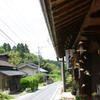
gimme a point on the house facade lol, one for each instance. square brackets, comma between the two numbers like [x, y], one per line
[30, 68]
[9, 77]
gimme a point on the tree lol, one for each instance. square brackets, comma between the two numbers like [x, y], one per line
[7, 47]
[15, 58]
[26, 48]
[2, 50]
[30, 57]
[20, 47]
[14, 48]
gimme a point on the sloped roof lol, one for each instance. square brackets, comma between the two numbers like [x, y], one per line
[4, 55]
[43, 70]
[12, 72]
[5, 63]
[27, 64]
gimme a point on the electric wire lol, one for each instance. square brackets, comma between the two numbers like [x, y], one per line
[23, 24]
[8, 36]
[10, 29]
[6, 39]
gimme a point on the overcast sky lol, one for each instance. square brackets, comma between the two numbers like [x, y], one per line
[23, 22]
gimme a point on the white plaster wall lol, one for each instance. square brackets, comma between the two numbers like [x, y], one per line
[29, 70]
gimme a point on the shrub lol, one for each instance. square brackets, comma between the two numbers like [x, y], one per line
[69, 83]
[25, 83]
[40, 77]
[32, 81]
[29, 82]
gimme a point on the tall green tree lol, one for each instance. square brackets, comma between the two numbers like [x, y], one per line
[2, 50]
[30, 57]
[26, 48]
[15, 57]
[7, 47]
[14, 48]
[20, 47]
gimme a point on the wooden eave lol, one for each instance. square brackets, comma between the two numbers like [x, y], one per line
[91, 26]
[65, 18]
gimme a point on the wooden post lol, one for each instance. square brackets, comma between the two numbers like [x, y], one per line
[63, 74]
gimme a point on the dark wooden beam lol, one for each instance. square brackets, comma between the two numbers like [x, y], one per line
[67, 12]
[92, 28]
[66, 30]
[59, 3]
[69, 6]
[70, 16]
[77, 18]
[76, 24]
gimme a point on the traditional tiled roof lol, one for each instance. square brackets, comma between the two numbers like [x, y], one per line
[12, 72]
[4, 55]
[5, 63]
[27, 64]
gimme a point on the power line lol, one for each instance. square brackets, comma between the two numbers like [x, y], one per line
[8, 37]
[19, 18]
[10, 29]
[24, 29]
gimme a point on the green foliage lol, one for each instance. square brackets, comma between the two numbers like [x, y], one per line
[40, 77]
[69, 83]
[81, 97]
[15, 57]
[7, 47]
[2, 50]
[30, 57]
[55, 75]
[5, 96]
[14, 48]
[22, 48]
[29, 82]
[53, 62]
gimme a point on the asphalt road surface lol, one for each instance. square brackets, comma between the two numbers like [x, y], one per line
[46, 93]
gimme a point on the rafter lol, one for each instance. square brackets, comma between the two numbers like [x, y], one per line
[60, 3]
[68, 6]
[70, 21]
[71, 16]
[67, 25]
[77, 7]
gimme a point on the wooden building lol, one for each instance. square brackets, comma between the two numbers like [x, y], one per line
[9, 76]
[30, 68]
[75, 24]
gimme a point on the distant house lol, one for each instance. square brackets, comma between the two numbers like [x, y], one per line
[30, 68]
[9, 77]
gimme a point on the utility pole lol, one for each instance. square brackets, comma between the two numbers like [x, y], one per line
[39, 49]
[38, 59]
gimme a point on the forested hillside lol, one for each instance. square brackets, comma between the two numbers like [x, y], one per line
[21, 53]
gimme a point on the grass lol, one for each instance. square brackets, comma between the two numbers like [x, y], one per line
[5, 96]
[16, 95]
[41, 84]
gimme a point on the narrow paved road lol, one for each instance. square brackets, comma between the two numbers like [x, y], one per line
[46, 93]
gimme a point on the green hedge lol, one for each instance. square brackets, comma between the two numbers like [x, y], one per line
[40, 77]
[32, 81]
[29, 82]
